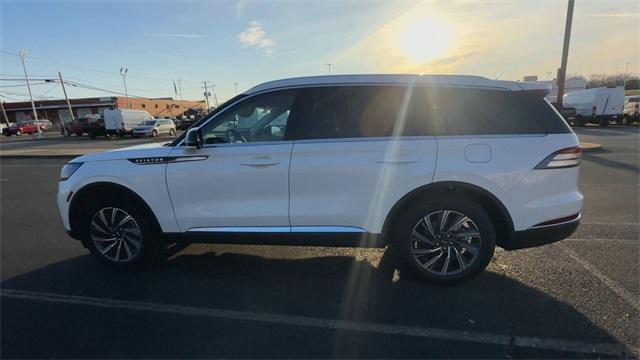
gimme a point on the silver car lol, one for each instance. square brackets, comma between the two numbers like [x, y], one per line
[155, 127]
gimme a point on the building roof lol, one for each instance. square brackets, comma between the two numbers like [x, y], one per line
[402, 79]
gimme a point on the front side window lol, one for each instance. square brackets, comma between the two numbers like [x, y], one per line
[260, 118]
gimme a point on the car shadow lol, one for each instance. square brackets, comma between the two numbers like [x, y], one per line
[328, 287]
[594, 158]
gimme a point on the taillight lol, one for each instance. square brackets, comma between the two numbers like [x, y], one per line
[564, 158]
[593, 110]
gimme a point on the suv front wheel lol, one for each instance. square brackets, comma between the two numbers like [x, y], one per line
[445, 240]
[120, 233]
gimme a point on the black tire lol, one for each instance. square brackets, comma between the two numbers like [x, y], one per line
[92, 135]
[625, 120]
[18, 132]
[404, 242]
[602, 121]
[172, 133]
[150, 244]
[120, 134]
[154, 133]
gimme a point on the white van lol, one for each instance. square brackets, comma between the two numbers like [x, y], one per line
[122, 121]
[597, 105]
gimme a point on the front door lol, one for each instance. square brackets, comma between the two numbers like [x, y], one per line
[239, 180]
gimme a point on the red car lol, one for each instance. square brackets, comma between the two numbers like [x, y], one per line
[24, 127]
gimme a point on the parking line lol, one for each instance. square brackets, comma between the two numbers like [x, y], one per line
[632, 241]
[330, 324]
[624, 294]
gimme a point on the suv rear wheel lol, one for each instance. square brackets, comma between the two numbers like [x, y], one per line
[120, 233]
[445, 240]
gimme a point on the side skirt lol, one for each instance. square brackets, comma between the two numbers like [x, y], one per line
[350, 239]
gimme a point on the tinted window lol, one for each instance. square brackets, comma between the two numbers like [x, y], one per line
[358, 111]
[450, 111]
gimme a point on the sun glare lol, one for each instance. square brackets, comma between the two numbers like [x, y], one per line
[425, 39]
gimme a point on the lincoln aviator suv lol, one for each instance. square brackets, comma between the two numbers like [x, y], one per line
[442, 169]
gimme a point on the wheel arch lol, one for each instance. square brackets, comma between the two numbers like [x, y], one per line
[102, 188]
[498, 213]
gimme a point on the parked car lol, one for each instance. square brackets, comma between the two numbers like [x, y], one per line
[78, 126]
[121, 122]
[597, 105]
[185, 123]
[24, 127]
[153, 128]
[441, 168]
[631, 110]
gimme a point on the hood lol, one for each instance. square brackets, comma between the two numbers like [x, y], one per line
[137, 151]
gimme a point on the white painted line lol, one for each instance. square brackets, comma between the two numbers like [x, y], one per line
[632, 241]
[624, 294]
[612, 224]
[330, 324]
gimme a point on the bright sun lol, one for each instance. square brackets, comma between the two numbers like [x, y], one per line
[425, 39]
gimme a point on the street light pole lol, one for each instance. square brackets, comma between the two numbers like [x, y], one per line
[329, 66]
[562, 72]
[124, 80]
[23, 55]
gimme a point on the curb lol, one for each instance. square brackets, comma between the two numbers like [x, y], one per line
[590, 146]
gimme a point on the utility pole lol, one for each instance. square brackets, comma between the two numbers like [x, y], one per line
[206, 95]
[180, 93]
[626, 75]
[126, 93]
[329, 66]
[4, 113]
[562, 72]
[64, 90]
[23, 55]
[213, 90]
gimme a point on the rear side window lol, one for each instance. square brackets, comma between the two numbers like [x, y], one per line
[358, 111]
[451, 111]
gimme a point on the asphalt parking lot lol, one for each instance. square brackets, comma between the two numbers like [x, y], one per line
[575, 299]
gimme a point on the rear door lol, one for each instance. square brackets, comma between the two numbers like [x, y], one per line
[358, 150]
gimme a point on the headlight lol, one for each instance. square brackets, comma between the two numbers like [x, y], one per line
[68, 170]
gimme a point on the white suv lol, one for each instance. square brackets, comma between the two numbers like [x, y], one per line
[442, 168]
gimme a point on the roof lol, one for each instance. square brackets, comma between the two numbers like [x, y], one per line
[468, 81]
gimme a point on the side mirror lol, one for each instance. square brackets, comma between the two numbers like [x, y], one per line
[193, 138]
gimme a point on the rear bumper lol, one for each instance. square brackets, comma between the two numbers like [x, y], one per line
[539, 236]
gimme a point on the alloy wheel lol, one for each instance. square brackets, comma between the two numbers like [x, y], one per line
[116, 234]
[445, 242]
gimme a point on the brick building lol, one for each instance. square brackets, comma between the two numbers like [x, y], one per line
[55, 110]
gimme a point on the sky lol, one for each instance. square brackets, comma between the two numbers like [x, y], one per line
[249, 42]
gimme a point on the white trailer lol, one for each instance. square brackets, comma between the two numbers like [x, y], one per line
[122, 121]
[596, 105]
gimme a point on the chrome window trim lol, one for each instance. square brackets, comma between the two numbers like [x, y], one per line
[257, 143]
[278, 229]
[365, 139]
[296, 87]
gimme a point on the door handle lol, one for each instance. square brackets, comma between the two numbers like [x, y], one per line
[398, 159]
[261, 161]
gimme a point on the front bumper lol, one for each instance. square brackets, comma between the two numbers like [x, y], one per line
[539, 236]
